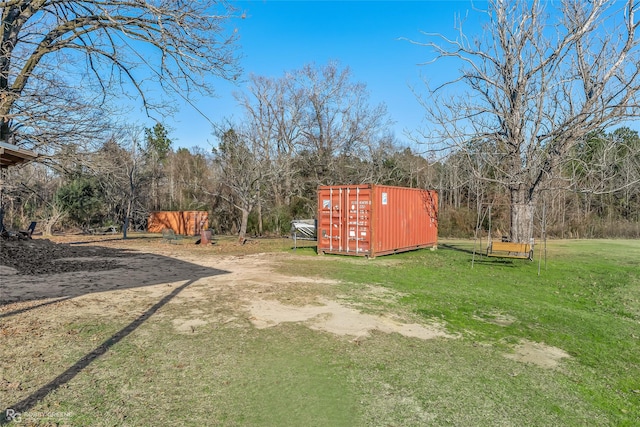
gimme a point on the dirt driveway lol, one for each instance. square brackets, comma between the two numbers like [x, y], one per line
[106, 275]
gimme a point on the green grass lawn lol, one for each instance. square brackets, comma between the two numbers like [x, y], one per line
[585, 302]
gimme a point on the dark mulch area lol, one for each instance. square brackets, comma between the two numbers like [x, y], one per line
[41, 256]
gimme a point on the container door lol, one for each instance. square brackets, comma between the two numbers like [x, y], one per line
[358, 226]
[344, 223]
[331, 221]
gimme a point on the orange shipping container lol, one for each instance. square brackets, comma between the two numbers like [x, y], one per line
[370, 220]
[187, 223]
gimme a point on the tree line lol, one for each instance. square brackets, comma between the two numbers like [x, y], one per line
[311, 127]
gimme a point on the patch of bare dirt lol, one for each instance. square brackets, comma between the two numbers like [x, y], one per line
[96, 280]
[539, 354]
[331, 316]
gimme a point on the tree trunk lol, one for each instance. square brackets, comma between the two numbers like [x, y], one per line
[125, 225]
[288, 184]
[50, 222]
[171, 192]
[243, 225]
[154, 190]
[259, 212]
[522, 207]
[260, 224]
[5, 130]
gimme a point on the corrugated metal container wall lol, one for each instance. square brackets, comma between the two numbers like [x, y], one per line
[370, 220]
[187, 223]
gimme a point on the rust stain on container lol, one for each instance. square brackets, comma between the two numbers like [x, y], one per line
[187, 223]
[370, 220]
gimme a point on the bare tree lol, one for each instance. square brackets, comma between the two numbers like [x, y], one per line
[313, 124]
[240, 172]
[605, 172]
[61, 60]
[537, 81]
[337, 120]
[267, 112]
[273, 108]
[120, 167]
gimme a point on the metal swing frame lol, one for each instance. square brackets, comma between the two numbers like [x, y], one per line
[506, 249]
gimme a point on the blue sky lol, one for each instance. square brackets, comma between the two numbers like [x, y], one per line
[280, 36]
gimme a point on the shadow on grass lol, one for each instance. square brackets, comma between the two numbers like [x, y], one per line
[480, 257]
[31, 307]
[30, 401]
[305, 249]
[457, 248]
[495, 261]
[47, 273]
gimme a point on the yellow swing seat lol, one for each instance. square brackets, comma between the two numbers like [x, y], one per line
[510, 250]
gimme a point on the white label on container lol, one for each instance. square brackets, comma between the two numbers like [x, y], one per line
[384, 198]
[326, 204]
[352, 233]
